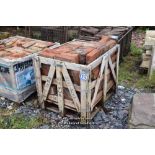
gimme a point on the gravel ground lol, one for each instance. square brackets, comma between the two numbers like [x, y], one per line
[115, 117]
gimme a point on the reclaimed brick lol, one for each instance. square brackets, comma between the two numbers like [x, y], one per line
[95, 73]
[45, 69]
[91, 56]
[104, 39]
[47, 53]
[69, 57]
[111, 43]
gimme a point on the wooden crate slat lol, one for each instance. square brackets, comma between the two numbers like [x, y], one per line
[67, 103]
[72, 66]
[98, 98]
[84, 75]
[100, 94]
[36, 61]
[98, 80]
[60, 89]
[117, 65]
[89, 96]
[112, 69]
[105, 81]
[71, 88]
[93, 83]
[77, 88]
[48, 82]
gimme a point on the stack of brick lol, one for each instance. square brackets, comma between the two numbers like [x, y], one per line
[80, 52]
[18, 47]
[95, 33]
[122, 34]
[17, 79]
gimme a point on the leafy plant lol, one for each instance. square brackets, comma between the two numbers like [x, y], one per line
[135, 51]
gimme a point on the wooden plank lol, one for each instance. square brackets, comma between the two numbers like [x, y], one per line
[60, 89]
[84, 78]
[98, 80]
[93, 84]
[98, 98]
[48, 82]
[105, 81]
[110, 84]
[112, 69]
[117, 65]
[71, 88]
[68, 103]
[36, 63]
[89, 97]
[69, 65]
[54, 81]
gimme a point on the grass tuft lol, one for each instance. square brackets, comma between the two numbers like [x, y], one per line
[20, 122]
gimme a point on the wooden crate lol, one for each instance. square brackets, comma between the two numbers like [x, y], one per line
[85, 98]
[11, 84]
[123, 37]
[17, 79]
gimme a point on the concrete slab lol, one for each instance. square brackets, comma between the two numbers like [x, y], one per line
[149, 39]
[142, 112]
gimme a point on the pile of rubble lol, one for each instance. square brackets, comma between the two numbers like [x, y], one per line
[95, 33]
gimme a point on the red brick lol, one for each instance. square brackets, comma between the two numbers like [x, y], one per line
[111, 43]
[47, 53]
[95, 73]
[69, 57]
[16, 55]
[45, 69]
[91, 56]
[104, 39]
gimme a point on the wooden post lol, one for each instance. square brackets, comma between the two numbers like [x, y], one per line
[98, 81]
[48, 82]
[89, 96]
[117, 64]
[65, 33]
[60, 89]
[84, 82]
[152, 62]
[36, 63]
[13, 78]
[25, 31]
[71, 87]
[105, 81]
